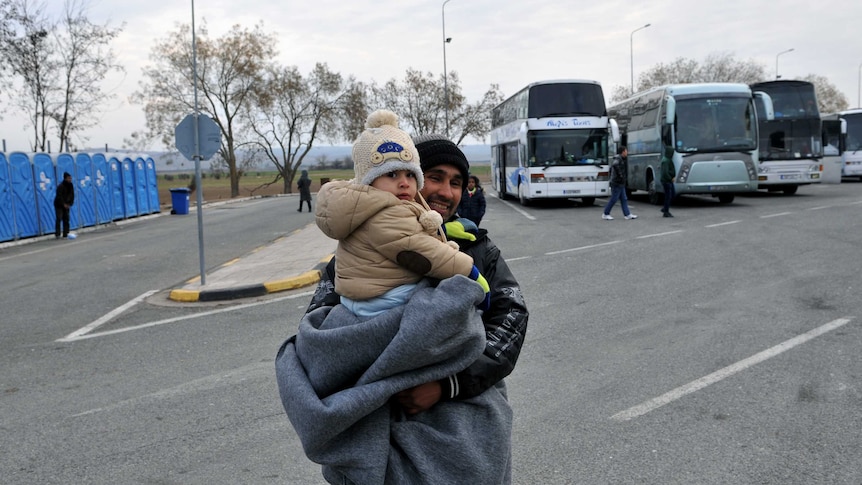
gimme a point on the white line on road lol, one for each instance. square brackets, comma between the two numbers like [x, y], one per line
[582, 247]
[728, 371]
[723, 224]
[516, 209]
[819, 208]
[776, 215]
[106, 318]
[81, 334]
[659, 234]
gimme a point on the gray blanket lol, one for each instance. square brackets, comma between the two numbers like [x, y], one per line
[337, 374]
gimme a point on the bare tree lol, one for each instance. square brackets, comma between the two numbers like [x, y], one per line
[717, 67]
[829, 98]
[419, 100]
[85, 58]
[26, 49]
[290, 113]
[229, 69]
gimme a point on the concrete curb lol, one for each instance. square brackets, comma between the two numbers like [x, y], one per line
[307, 278]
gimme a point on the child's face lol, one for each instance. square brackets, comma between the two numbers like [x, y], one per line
[401, 184]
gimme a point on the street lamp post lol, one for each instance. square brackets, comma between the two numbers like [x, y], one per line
[446, 40]
[859, 89]
[776, 61]
[632, 52]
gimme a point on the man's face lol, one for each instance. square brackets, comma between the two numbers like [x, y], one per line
[442, 190]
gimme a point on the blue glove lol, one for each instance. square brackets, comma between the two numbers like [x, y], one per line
[461, 228]
[476, 276]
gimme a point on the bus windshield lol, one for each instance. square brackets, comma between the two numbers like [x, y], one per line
[791, 100]
[567, 147]
[715, 124]
[566, 99]
[854, 131]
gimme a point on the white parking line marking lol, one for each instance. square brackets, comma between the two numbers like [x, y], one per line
[83, 333]
[776, 215]
[819, 208]
[106, 318]
[723, 223]
[582, 247]
[728, 371]
[659, 234]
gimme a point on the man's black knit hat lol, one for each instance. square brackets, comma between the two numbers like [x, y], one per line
[435, 149]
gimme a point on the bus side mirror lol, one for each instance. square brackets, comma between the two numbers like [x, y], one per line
[670, 112]
[765, 101]
[842, 140]
[615, 131]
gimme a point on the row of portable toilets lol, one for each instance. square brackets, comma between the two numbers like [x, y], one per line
[108, 187]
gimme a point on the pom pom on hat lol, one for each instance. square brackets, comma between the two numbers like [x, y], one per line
[383, 148]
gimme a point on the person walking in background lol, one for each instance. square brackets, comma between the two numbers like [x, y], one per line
[619, 171]
[472, 204]
[668, 176]
[304, 185]
[63, 201]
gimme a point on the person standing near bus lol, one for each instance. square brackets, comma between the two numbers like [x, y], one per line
[668, 175]
[63, 201]
[619, 170]
[472, 204]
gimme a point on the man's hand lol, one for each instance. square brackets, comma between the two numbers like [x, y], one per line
[419, 398]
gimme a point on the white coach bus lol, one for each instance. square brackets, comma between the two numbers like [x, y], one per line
[552, 139]
[712, 128]
[849, 139]
[791, 145]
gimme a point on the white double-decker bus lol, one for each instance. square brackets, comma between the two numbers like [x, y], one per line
[552, 139]
[712, 128]
[791, 146]
[847, 143]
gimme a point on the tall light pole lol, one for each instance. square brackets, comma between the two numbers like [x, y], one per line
[632, 52]
[446, 40]
[859, 89]
[776, 61]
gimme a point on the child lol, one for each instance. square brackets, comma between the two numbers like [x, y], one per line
[388, 238]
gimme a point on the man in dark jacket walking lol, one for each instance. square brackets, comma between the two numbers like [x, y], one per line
[619, 172]
[63, 201]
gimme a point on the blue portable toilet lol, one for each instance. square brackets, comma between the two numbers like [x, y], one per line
[46, 188]
[129, 194]
[66, 163]
[85, 189]
[7, 221]
[101, 182]
[23, 195]
[118, 200]
[152, 185]
[141, 186]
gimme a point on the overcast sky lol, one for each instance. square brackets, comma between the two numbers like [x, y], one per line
[504, 42]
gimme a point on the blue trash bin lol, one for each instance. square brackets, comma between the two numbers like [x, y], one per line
[180, 200]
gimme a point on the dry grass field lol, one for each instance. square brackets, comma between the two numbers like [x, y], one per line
[255, 184]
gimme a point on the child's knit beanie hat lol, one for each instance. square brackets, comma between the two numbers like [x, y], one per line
[383, 148]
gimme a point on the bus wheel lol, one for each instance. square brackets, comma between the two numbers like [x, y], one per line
[725, 198]
[522, 197]
[588, 200]
[652, 194]
[790, 189]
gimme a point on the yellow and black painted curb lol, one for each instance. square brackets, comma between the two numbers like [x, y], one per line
[250, 291]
